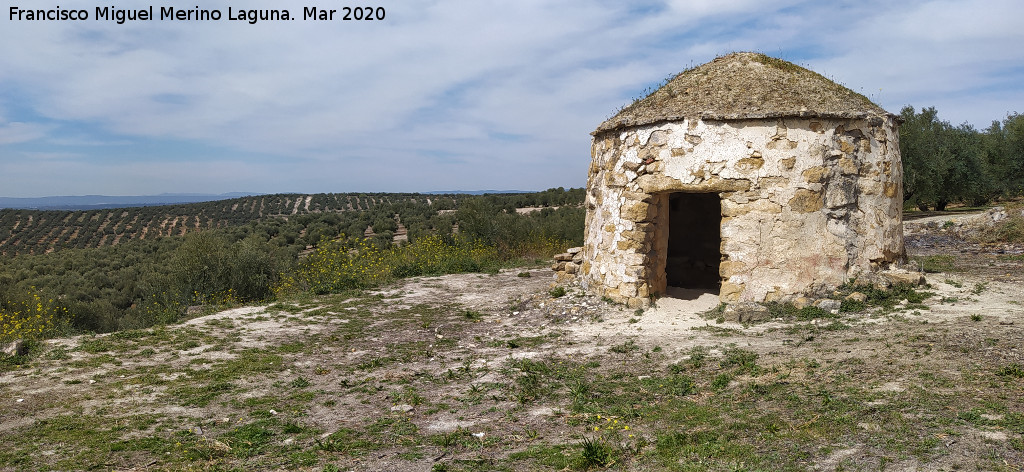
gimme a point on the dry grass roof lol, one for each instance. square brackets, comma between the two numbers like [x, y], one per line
[745, 85]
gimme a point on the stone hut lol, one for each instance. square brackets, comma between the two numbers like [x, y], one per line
[749, 176]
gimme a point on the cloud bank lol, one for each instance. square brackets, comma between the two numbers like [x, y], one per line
[441, 94]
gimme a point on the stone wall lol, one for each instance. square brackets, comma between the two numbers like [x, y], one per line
[806, 203]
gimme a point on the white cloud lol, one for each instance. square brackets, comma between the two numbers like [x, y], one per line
[16, 132]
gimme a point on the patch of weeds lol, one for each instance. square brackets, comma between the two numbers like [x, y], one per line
[936, 263]
[579, 392]
[523, 274]
[250, 439]
[285, 307]
[713, 313]
[790, 312]
[59, 353]
[679, 385]
[1012, 370]
[718, 331]
[346, 441]
[557, 292]
[836, 326]
[474, 316]
[979, 288]
[627, 347]
[522, 341]
[852, 306]
[742, 359]
[595, 453]
[954, 283]
[976, 317]
[189, 395]
[376, 362]
[299, 382]
[888, 298]
[721, 381]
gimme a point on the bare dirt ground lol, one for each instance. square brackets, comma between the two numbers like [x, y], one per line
[496, 372]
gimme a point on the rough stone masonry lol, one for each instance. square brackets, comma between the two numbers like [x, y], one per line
[749, 175]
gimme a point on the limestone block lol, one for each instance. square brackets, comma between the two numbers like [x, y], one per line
[749, 164]
[565, 256]
[631, 246]
[564, 277]
[637, 303]
[848, 166]
[659, 138]
[570, 268]
[787, 163]
[634, 211]
[806, 201]
[840, 193]
[730, 208]
[574, 250]
[892, 189]
[634, 235]
[815, 174]
[730, 292]
[614, 179]
[558, 266]
[729, 268]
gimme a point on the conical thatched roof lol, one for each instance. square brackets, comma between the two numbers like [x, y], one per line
[745, 85]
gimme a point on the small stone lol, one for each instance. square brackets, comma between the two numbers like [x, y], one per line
[857, 297]
[802, 302]
[19, 400]
[745, 311]
[565, 256]
[273, 412]
[574, 250]
[404, 408]
[16, 348]
[829, 305]
[899, 276]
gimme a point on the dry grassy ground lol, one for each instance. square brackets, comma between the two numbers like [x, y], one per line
[493, 372]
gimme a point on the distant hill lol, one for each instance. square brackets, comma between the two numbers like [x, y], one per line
[475, 192]
[95, 202]
[36, 231]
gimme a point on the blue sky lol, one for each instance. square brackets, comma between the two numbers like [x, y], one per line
[440, 95]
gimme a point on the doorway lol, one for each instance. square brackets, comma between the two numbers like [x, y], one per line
[694, 241]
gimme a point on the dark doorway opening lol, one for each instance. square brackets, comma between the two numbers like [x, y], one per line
[694, 241]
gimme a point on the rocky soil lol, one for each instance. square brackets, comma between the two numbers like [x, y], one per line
[505, 372]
